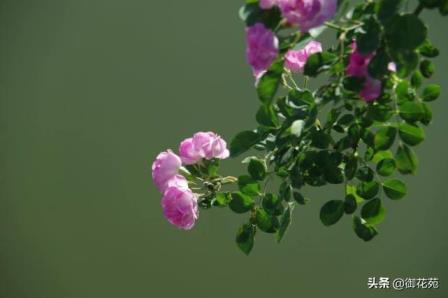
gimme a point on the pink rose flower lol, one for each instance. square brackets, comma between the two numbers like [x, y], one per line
[268, 4]
[262, 48]
[165, 167]
[188, 152]
[308, 14]
[358, 63]
[372, 89]
[295, 60]
[358, 67]
[206, 145]
[177, 181]
[180, 207]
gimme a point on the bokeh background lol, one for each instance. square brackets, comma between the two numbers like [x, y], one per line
[92, 90]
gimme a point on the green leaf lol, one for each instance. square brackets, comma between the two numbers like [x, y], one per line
[386, 167]
[427, 49]
[405, 32]
[395, 189]
[427, 114]
[241, 203]
[285, 222]
[354, 84]
[211, 167]
[427, 68]
[385, 138]
[266, 222]
[363, 230]
[301, 97]
[245, 238]
[350, 204]
[431, 93]
[416, 79]
[369, 40]
[248, 185]
[272, 204]
[285, 191]
[269, 82]
[378, 66]
[351, 190]
[380, 155]
[403, 90]
[243, 142]
[407, 161]
[411, 134]
[222, 199]
[386, 9]
[365, 174]
[299, 198]
[406, 61]
[430, 3]
[368, 190]
[318, 63]
[443, 7]
[320, 139]
[251, 14]
[332, 212]
[373, 212]
[257, 169]
[351, 166]
[381, 113]
[411, 111]
[266, 116]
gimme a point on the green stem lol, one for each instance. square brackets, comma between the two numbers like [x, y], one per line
[419, 9]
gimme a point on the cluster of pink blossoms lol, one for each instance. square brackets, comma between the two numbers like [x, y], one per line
[358, 67]
[263, 45]
[262, 50]
[307, 14]
[179, 203]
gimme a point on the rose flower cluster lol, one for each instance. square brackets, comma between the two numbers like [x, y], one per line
[179, 203]
[263, 45]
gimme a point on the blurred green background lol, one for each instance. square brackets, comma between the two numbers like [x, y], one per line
[92, 90]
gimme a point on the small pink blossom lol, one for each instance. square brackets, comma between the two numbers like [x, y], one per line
[206, 145]
[180, 207]
[295, 60]
[165, 167]
[372, 89]
[268, 4]
[262, 48]
[392, 67]
[358, 63]
[359, 67]
[308, 14]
